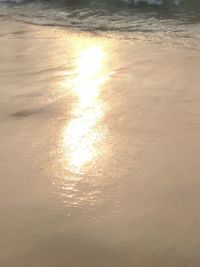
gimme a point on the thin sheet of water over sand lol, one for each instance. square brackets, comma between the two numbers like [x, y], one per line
[99, 151]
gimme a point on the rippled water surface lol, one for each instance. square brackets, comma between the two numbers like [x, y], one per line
[173, 21]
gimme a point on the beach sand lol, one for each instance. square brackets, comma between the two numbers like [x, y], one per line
[99, 150]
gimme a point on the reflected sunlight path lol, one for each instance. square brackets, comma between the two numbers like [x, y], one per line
[83, 141]
[83, 133]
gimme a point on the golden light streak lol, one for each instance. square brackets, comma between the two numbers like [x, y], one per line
[84, 132]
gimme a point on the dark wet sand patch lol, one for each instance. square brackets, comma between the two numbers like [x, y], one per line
[26, 113]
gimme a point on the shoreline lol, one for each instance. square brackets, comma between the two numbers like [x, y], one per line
[171, 41]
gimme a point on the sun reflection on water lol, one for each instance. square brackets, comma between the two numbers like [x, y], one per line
[84, 132]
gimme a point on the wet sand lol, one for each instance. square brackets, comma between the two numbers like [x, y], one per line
[99, 150]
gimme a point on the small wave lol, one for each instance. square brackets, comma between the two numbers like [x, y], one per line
[161, 3]
[150, 19]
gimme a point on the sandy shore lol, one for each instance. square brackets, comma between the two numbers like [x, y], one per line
[99, 150]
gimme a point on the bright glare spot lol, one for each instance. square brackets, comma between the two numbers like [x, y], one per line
[90, 62]
[83, 133]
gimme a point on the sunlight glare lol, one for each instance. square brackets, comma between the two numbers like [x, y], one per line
[83, 133]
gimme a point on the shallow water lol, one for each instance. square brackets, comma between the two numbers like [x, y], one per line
[99, 159]
[170, 22]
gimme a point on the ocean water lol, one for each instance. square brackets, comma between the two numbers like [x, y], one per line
[175, 21]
